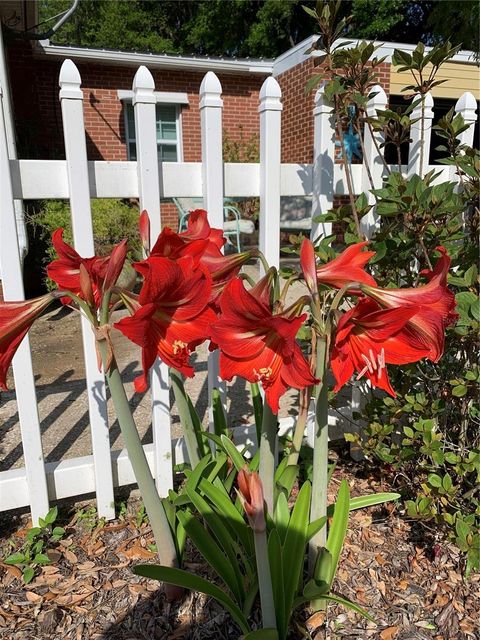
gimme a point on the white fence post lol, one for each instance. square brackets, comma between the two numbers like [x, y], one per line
[270, 110]
[211, 106]
[373, 159]
[12, 282]
[144, 106]
[323, 162]
[71, 98]
[418, 160]
[466, 105]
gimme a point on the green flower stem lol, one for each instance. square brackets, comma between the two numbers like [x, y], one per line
[257, 409]
[300, 425]
[268, 442]
[318, 507]
[264, 581]
[153, 505]
[189, 431]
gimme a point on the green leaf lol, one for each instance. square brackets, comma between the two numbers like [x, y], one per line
[275, 560]
[194, 583]
[223, 536]
[282, 516]
[51, 515]
[262, 634]
[349, 604]
[315, 589]
[434, 480]
[338, 530]
[361, 502]
[315, 526]
[232, 451]
[257, 402]
[58, 531]
[15, 558]
[459, 391]
[224, 507]
[28, 574]
[41, 558]
[219, 417]
[288, 477]
[294, 547]
[323, 568]
[210, 550]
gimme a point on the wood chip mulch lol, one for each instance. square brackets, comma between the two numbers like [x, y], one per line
[410, 583]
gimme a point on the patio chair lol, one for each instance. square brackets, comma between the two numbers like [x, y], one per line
[233, 224]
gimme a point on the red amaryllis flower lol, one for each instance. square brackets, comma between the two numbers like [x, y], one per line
[173, 317]
[369, 337]
[102, 272]
[433, 304]
[347, 267]
[250, 492]
[259, 345]
[203, 244]
[16, 318]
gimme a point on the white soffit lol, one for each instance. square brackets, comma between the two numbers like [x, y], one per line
[157, 61]
[296, 55]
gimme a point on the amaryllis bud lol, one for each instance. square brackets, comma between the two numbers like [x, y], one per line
[250, 492]
[86, 286]
[115, 265]
[307, 261]
[144, 227]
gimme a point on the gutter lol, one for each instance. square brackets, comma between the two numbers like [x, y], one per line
[156, 61]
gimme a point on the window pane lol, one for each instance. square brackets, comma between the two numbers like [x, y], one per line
[167, 152]
[132, 150]
[166, 122]
[130, 120]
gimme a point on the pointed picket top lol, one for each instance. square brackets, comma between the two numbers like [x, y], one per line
[270, 95]
[428, 103]
[467, 106]
[143, 87]
[378, 101]
[70, 81]
[210, 91]
[321, 103]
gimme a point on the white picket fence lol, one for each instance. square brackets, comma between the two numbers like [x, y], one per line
[79, 180]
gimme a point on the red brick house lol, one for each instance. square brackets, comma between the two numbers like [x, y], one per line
[33, 69]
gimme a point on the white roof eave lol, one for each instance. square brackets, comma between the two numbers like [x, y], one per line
[156, 61]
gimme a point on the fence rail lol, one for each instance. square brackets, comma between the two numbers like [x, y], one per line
[79, 180]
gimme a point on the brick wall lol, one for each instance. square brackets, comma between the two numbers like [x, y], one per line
[297, 114]
[37, 109]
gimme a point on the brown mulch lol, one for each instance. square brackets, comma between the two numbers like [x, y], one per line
[410, 583]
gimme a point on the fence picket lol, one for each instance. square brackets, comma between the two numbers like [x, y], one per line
[323, 162]
[270, 110]
[372, 160]
[466, 105]
[144, 105]
[211, 106]
[419, 150]
[12, 281]
[71, 98]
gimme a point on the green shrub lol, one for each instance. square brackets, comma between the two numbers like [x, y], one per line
[112, 219]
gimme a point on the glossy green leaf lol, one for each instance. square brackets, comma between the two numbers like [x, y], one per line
[338, 529]
[262, 634]
[276, 570]
[223, 536]
[219, 417]
[232, 451]
[210, 550]
[282, 516]
[323, 567]
[315, 526]
[190, 581]
[360, 502]
[294, 547]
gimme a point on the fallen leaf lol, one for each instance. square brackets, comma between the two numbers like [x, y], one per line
[389, 633]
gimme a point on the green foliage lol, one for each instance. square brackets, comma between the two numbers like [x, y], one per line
[38, 541]
[261, 28]
[113, 220]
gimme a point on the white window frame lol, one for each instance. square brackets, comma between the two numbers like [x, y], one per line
[162, 97]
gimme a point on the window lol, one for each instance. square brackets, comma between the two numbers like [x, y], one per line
[168, 132]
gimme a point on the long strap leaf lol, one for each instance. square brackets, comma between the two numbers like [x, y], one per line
[338, 530]
[190, 581]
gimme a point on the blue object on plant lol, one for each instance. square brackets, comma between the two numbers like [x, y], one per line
[351, 139]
